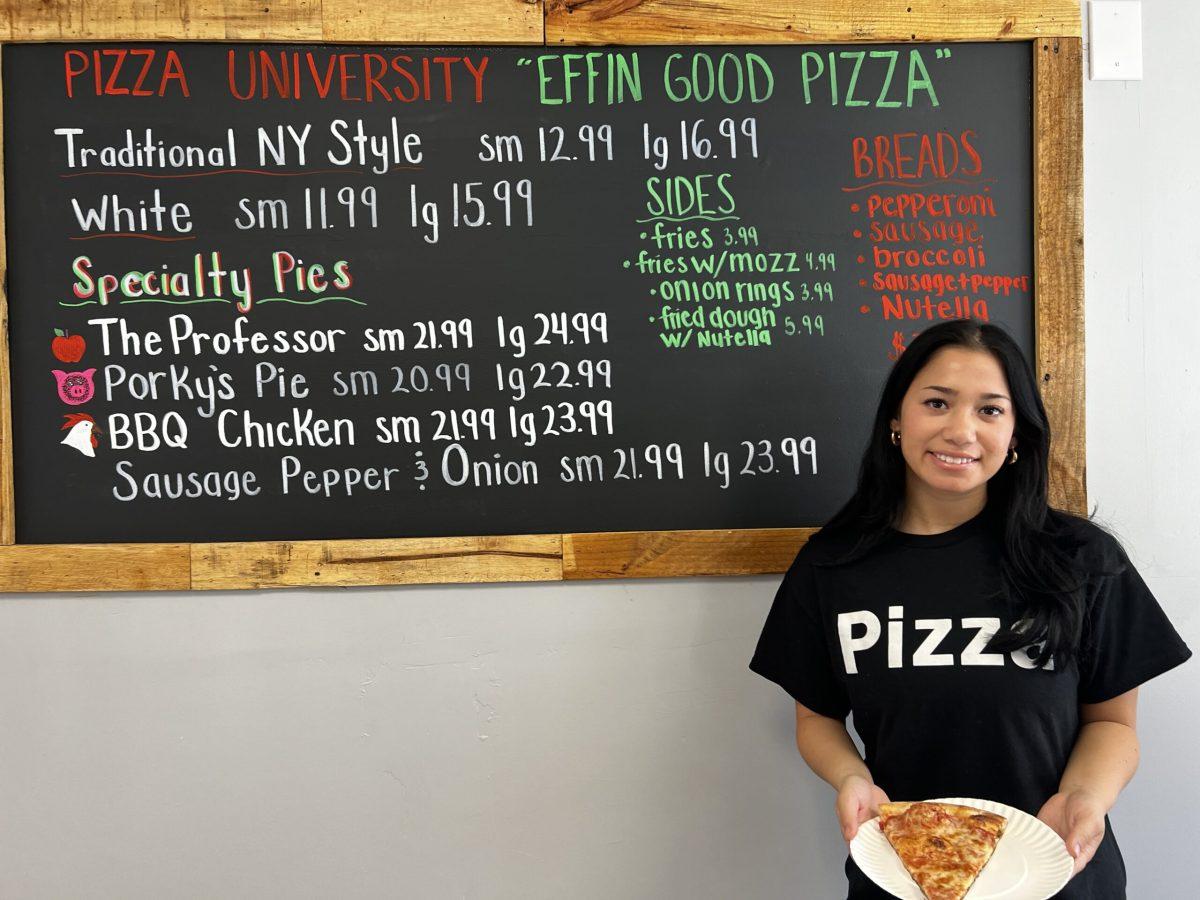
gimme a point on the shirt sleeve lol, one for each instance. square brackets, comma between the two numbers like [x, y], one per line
[1128, 639]
[793, 650]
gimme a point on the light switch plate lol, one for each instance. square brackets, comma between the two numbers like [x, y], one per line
[1115, 40]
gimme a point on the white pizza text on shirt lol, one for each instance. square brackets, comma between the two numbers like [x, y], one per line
[861, 631]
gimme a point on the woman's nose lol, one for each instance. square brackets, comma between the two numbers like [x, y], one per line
[960, 428]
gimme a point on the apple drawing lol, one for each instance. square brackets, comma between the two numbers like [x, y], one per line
[66, 347]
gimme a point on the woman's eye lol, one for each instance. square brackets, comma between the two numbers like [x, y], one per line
[989, 411]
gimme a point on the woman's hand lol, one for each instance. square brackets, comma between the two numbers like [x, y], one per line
[1078, 818]
[857, 801]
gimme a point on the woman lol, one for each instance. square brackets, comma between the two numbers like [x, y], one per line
[988, 645]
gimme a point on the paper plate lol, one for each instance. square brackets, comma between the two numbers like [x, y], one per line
[1030, 863]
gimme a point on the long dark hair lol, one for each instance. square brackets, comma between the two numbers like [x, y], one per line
[1043, 582]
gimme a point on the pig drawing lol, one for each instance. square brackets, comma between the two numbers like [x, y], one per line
[75, 388]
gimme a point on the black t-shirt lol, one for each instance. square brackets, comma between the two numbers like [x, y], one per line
[897, 638]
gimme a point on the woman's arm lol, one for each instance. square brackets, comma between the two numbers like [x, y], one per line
[826, 747]
[1102, 762]
[1106, 751]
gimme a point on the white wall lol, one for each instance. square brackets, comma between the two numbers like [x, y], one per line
[599, 740]
[1143, 404]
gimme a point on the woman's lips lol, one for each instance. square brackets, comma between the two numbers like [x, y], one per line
[950, 466]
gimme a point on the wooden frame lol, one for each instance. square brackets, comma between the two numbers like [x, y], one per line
[1053, 27]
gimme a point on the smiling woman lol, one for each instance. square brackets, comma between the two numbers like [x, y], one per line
[989, 645]
[955, 431]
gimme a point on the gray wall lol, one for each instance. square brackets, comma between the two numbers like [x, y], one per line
[599, 740]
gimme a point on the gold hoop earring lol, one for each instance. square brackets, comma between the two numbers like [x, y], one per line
[1012, 456]
[896, 438]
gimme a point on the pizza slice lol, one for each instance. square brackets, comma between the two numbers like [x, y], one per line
[943, 846]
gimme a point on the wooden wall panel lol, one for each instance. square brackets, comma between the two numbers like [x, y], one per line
[272, 20]
[391, 21]
[1058, 261]
[58, 20]
[429, 21]
[785, 21]
[95, 567]
[661, 554]
[392, 561]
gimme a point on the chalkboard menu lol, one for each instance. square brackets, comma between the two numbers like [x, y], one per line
[297, 291]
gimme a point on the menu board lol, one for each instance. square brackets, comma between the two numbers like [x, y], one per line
[298, 292]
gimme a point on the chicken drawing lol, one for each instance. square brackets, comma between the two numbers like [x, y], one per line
[79, 428]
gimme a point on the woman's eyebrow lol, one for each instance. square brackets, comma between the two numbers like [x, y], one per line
[953, 393]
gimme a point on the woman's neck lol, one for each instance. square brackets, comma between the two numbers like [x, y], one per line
[921, 514]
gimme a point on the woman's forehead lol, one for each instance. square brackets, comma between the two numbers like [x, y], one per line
[963, 369]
